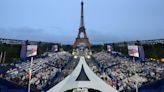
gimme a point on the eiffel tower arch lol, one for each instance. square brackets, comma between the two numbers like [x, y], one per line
[84, 39]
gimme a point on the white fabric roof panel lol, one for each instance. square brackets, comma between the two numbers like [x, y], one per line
[70, 81]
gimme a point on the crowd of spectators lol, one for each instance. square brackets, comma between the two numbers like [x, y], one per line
[124, 73]
[43, 70]
[65, 72]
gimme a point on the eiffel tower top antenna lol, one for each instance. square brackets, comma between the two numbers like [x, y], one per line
[82, 15]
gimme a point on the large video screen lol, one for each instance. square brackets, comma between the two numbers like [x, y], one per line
[31, 50]
[109, 48]
[133, 51]
[55, 48]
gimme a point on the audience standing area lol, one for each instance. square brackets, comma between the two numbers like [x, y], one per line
[82, 77]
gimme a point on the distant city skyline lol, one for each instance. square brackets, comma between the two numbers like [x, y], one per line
[105, 21]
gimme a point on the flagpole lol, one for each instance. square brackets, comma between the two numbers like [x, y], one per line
[30, 73]
[136, 86]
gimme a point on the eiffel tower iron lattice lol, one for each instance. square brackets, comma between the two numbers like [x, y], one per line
[83, 39]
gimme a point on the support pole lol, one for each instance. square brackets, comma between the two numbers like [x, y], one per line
[30, 73]
[1, 57]
[4, 57]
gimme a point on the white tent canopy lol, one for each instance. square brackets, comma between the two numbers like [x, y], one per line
[94, 81]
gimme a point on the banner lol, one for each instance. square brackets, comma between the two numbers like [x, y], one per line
[23, 51]
[141, 52]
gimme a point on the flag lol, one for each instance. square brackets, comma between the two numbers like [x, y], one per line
[29, 74]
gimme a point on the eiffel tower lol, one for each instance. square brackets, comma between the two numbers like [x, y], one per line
[83, 39]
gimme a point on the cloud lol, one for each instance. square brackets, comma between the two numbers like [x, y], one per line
[26, 33]
[61, 35]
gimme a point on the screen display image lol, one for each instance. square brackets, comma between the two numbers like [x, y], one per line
[133, 51]
[31, 50]
[55, 48]
[109, 48]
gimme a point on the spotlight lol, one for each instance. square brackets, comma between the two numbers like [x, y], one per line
[88, 56]
[75, 56]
